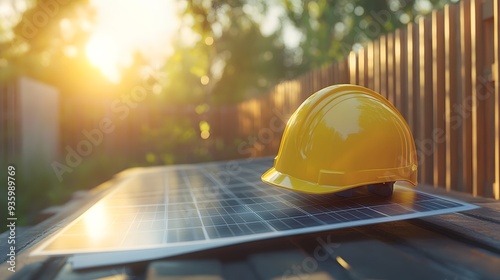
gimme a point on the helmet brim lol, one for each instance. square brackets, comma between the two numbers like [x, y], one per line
[276, 178]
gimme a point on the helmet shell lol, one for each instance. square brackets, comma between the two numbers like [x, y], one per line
[341, 137]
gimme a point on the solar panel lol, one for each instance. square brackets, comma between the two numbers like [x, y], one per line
[160, 212]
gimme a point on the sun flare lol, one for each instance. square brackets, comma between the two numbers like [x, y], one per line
[96, 221]
[124, 27]
[102, 53]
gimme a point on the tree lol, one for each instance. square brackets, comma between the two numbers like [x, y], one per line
[331, 28]
[48, 44]
[234, 59]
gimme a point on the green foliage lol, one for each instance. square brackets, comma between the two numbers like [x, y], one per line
[174, 140]
[95, 169]
[184, 70]
[253, 63]
[229, 51]
[331, 28]
[39, 45]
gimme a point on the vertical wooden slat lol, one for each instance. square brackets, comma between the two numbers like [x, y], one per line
[362, 67]
[305, 84]
[341, 70]
[390, 68]
[478, 104]
[356, 56]
[487, 95]
[309, 84]
[416, 94]
[331, 74]
[321, 76]
[321, 80]
[425, 141]
[376, 65]
[383, 66]
[352, 63]
[439, 121]
[398, 71]
[335, 73]
[496, 78]
[369, 68]
[338, 72]
[314, 80]
[452, 170]
[410, 77]
[326, 76]
[345, 70]
[465, 49]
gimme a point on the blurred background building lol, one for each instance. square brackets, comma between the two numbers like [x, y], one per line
[29, 121]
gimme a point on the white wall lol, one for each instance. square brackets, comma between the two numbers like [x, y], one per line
[39, 120]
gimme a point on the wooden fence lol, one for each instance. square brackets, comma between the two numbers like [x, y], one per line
[440, 73]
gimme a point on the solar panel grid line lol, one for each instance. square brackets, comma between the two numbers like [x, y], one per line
[188, 184]
[437, 203]
[300, 219]
[165, 184]
[108, 225]
[368, 209]
[122, 242]
[406, 208]
[227, 191]
[293, 206]
[432, 205]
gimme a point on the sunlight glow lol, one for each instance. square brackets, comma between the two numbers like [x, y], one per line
[125, 27]
[205, 134]
[423, 6]
[274, 19]
[96, 221]
[70, 51]
[10, 13]
[209, 41]
[102, 52]
[343, 263]
[204, 80]
[204, 130]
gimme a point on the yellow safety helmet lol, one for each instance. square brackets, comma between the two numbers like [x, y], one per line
[342, 137]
